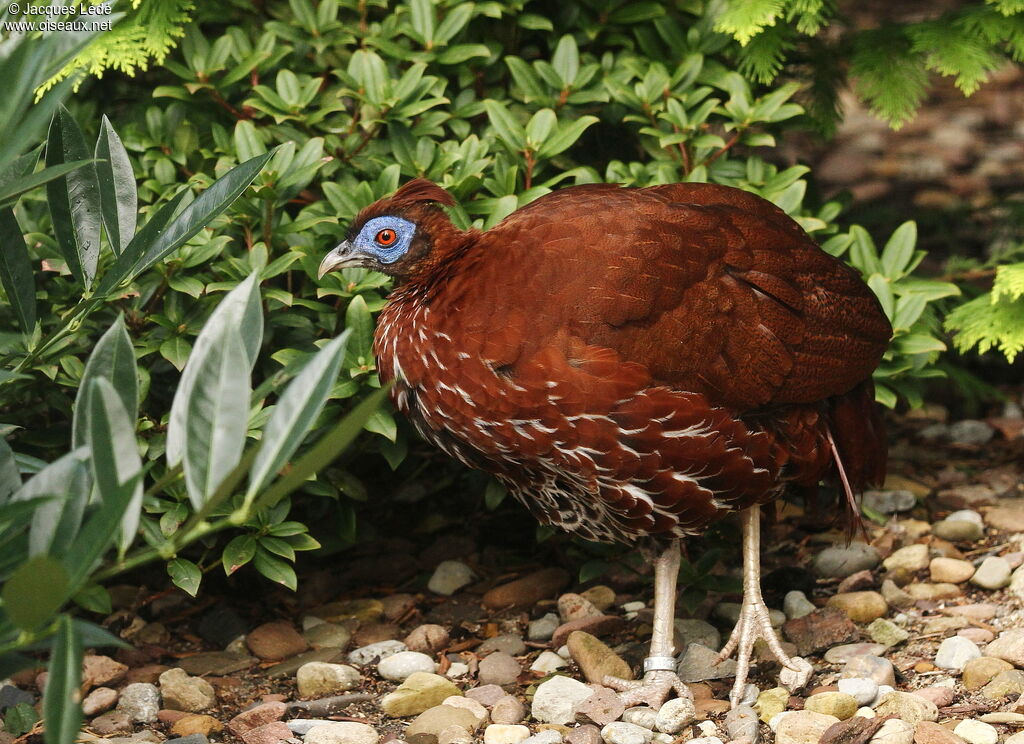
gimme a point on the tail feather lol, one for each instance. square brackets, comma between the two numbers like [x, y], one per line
[856, 436]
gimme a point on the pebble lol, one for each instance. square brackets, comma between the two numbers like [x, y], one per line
[182, 692]
[576, 607]
[508, 710]
[621, 732]
[802, 727]
[887, 633]
[771, 702]
[894, 731]
[961, 526]
[328, 635]
[436, 719]
[379, 650]
[427, 639]
[842, 654]
[418, 692]
[601, 708]
[596, 659]
[675, 715]
[398, 667]
[449, 577]
[318, 678]
[196, 724]
[910, 708]
[795, 604]
[895, 596]
[111, 723]
[528, 590]
[699, 664]
[950, 570]
[342, 732]
[838, 704]
[547, 736]
[927, 732]
[841, 561]
[641, 715]
[819, 630]
[1005, 684]
[275, 641]
[601, 596]
[977, 635]
[1008, 517]
[510, 643]
[861, 607]
[857, 582]
[933, 591]
[498, 733]
[889, 502]
[741, 722]
[600, 625]
[993, 573]
[100, 670]
[954, 652]
[256, 717]
[1008, 646]
[910, 559]
[543, 628]
[979, 672]
[971, 432]
[937, 695]
[98, 701]
[692, 630]
[499, 669]
[486, 695]
[140, 701]
[190, 739]
[547, 662]
[976, 732]
[861, 689]
[586, 734]
[556, 700]
[270, 733]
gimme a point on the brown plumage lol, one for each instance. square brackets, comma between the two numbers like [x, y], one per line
[629, 362]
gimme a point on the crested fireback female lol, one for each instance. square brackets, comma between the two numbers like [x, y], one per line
[632, 364]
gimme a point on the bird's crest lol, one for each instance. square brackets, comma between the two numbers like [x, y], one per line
[422, 190]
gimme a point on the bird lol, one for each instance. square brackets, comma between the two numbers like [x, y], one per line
[633, 365]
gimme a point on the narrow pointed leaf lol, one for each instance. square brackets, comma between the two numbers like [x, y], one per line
[239, 312]
[119, 203]
[216, 417]
[10, 478]
[65, 484]
[16, 271]
[113, 358]
[73, 199]
[11, 190]
[114, 454]
[295, 412]
[62, 711]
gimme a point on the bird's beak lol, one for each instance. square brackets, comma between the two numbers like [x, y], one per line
[342, 256]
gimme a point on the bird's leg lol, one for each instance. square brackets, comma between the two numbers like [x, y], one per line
[755, 622]
[660, 676]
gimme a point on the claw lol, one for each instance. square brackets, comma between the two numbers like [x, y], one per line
[653, 690]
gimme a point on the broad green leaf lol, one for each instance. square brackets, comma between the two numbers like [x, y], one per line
[566, 60]
[540, 126]
[238, 314]
[494, 494]
[863, 253]
[454, 21]
[216, 416]
[238, 552]
[295, 412]
[148, 247]
[509, 130]
[73, 199]
[19, 719]
[10, 478]
[274, 568]
[566, 136]
[185, 574]
[359, 324]
[919, 343]
[383, 423]
[176, 350]
[62, 711]
[94, 598]
[65, 484]
[115, 460]
[113, 358]
[35, 591]
[16, 271]
[883, 290]
[899, 250]
[908, 310]
[119, 203]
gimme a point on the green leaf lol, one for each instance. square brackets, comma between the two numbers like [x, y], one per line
[176, 350]
[899, 250]
[295, 412]
[62, 711]
[275, 569]
[566, 60]
[94, 598]
[359, 324]
[119, 203]
[185, 575]
[10, 190]
[540, 126]
[20, 719]
[113, 358]
[566, 136]
[238, 552]
[150, 246]
[216, 416]
[238, 314]
[908, 309]
[115, 460]
[73, 199]
[507, 128]
[10, 477]
[63, 487]
[863, 253]
[383, 423]
[34, 592]
[16, 271]
[494, 494]
[919, 343]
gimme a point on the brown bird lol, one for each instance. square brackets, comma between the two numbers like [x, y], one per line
[633, 365]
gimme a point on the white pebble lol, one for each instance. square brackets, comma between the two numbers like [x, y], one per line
[457, 669]
[341, 732]
[398, 667]
[976, 732]
[501, 733]
[620, 732]
[449, 577]
[674, 715]
[955, 652]
[863, 690]
[547, 662]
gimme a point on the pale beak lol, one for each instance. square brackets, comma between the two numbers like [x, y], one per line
[342, 256]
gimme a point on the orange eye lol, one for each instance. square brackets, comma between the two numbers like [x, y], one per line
[386, 237]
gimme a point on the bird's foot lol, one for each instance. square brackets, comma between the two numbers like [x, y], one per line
[755, 622]
[653, 690]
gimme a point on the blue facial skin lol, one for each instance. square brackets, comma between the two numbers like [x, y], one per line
[366, 240]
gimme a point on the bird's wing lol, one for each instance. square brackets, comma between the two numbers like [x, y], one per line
[711, 289]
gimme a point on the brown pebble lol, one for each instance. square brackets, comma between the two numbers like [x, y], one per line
[275, 641]
[508, 710]
[710, 707]
[924, 666]
[528, 590]
[939, 696]
[599, 626]
[166, 715]
[428, 639]
[486, 695]
[858, 582]
[819, 630]
[700, 691]
[149, 673]
[601, 708]
[193, 723]
[861, 607]
[587, 734]
[269, 733]
[926, 732]
[256, 717]
[375, 633]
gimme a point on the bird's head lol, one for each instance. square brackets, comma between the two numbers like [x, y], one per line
[398, 235]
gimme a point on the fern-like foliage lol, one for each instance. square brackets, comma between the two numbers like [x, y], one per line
[146, 34]
[994, 320]
[745, 19]
[889, 74]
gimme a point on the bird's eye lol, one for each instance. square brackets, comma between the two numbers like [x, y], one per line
[386, 236]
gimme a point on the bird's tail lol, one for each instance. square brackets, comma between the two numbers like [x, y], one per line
[856, 436]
